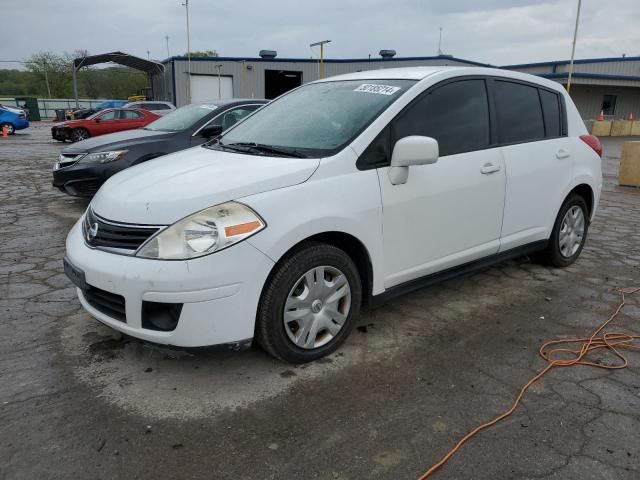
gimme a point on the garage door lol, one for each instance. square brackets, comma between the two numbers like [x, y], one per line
[205, 87]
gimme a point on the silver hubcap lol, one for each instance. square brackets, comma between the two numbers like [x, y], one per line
[571, 232]
[317, 307]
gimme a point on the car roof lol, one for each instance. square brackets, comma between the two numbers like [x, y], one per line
[420, 73]
[142, 102]
[401, 73]
[231, 101]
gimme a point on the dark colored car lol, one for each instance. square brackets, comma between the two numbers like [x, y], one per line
[84, 166]
[107, 121]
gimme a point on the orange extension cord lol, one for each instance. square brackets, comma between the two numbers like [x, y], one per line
[611, 341]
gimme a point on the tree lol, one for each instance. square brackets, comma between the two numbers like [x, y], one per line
[203, 53]
[54, 71]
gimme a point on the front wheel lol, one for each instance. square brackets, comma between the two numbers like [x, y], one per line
[309, 305]
[9, 127]
[78, 134]
[569, 233]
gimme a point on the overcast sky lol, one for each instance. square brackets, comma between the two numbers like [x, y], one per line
[493, 31]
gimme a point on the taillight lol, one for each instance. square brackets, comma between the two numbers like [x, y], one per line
[593, 142]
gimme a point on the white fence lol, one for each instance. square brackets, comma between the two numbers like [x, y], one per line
[48, 106]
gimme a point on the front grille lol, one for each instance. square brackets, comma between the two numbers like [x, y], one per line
[110, 304]
[68, 159]
[83, 188]
[99, 232]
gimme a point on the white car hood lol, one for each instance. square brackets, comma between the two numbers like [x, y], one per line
[164, 190]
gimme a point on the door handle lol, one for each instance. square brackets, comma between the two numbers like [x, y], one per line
[489, 168]
[562, 154]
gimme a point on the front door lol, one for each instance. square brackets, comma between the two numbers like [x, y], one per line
[104, 122]
[450, 212]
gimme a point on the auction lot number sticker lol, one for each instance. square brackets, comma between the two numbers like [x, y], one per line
[379, 89]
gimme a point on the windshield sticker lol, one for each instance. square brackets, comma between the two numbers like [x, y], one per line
[208, 107]
[379, 89]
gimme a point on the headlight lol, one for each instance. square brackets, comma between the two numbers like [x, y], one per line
[104, 157]
[204, 232]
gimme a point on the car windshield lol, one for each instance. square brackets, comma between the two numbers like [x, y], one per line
[182, 118]
[317, 119]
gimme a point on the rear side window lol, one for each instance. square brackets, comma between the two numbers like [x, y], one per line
[551, 112]
[455, 114]
[129, 114]
[519, 112]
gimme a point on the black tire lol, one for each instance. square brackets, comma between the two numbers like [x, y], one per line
[270, 328]
[553, 255]
[79, 134]
[11, 129]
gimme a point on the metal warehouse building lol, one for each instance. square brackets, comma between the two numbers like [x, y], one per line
[611, 85]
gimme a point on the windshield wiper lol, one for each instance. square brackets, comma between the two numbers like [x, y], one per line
[260, 147]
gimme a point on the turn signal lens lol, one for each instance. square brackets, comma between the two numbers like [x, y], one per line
[242, 229]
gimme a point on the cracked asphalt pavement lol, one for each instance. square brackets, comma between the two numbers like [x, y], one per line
[77, 400]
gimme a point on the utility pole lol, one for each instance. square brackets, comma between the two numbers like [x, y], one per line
[46, 78]
[573, 47]
[219, 66]
[148, 55]
[440, 43]
[322, 44]
[166, 37]
[186, 5]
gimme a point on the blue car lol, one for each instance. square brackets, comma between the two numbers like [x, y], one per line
[111, 104]
[13, 119]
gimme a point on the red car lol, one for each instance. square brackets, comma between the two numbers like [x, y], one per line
[106, 121]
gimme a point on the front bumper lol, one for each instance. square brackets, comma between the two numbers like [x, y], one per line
[61, 133]
[219, 293]
[21, 124]
[85, 179]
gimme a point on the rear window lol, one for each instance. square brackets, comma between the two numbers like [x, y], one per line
[519, 112]
[551, 111]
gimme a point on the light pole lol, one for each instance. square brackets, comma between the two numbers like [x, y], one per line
[186, 6]
[166, 37]
[573, 47]
[322, 43]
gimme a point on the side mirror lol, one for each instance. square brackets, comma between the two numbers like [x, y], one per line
[97, 120]
[211, 131]
[411, 151]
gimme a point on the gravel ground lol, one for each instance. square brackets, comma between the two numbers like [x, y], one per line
[79, 401]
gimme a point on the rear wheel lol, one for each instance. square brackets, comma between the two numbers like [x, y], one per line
[569, 233]
[9, 126]
[78, 134]
[309, 304]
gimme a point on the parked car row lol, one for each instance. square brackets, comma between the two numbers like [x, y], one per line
[84, 166]
[341, 193]
[158, 107]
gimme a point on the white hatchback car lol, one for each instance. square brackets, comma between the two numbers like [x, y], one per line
[341, 192]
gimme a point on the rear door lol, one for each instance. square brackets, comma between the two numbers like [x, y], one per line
[450, 212]
[538, 158]
[130, 119]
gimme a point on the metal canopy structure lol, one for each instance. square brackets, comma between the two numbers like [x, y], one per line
[148, 66]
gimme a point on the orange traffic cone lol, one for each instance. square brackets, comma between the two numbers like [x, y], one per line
[630, 116]
[5, 131]
[601, 116]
